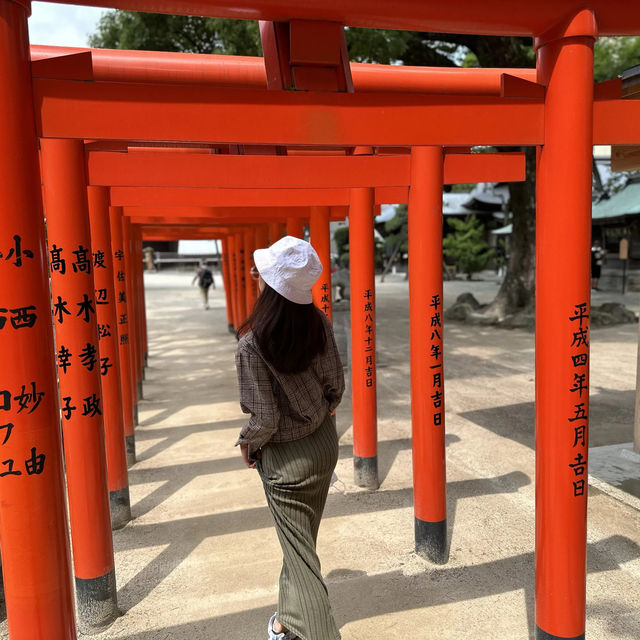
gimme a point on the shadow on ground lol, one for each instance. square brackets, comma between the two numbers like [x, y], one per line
[610, 412]
[180, 537]
[357, 596]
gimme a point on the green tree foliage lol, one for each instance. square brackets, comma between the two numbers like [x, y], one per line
[185, 34]
[466, 245]
[611, 56]
[397, 231]
[341, 238]
[388, 46]
[129, 30]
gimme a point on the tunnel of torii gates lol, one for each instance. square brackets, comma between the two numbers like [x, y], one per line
[151, 145]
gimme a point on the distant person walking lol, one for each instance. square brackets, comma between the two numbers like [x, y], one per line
[597, 257]
[205, 280]
[291, 380]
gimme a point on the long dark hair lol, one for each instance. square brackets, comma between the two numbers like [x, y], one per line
[289, 335]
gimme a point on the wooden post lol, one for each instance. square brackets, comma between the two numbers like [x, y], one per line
[321, 241]
[226, 279]
[103, 276]
[117, 248]
[80, 366]
[565, 67]
[427, 357]
[363, 338]
[36, 562]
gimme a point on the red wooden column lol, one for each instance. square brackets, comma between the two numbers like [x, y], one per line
[130, 314]
[363, 338]
[143, 302]
[563, 231]
[134, 305]
[117, 248]
[250, 289]
[138, 285]
[261, 242]
[295, 227]
[240, 278]
[427, 365]
[103, 277]
[261, 236]
[233, 275]
[36, 563]
[226, 279]
[321, 241]
[275, 232]
[79, 371]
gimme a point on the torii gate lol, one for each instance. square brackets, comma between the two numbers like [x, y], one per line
[564, 65]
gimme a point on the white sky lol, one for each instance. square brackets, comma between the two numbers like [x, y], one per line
[64, 25]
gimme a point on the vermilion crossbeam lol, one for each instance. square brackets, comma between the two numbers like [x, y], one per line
[127, 111]
[518, 17]
[115, 65]
[152, 169]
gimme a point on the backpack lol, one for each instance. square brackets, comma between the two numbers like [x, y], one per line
[206, 278]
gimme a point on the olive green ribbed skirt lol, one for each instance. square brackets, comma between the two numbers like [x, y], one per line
[296, 477]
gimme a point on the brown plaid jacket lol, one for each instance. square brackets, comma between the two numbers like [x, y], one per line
[285, 406]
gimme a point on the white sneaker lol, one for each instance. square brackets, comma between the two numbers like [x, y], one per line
[283, 635]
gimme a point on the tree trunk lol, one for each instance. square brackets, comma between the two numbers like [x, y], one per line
[517, 290]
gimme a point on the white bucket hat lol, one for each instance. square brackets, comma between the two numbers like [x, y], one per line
[291, 267]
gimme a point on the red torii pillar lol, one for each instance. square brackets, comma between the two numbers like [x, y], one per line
[363, 337]
[143, 302]
[33, 515]
[295, 227]
[233, 276]
[126, 369]
[275, 232]
[321, 241]
[240, 278]
[565, 67]
[249, 244]
[130, 314]
[226, 281]
[119, 499]
[138, 286]
[79, 370]
[261, 242]
[427, 365]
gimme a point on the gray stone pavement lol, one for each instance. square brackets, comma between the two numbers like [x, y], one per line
[201, 559]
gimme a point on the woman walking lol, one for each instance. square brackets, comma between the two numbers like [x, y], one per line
[291, 380]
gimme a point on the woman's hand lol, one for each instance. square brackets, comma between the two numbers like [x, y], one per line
[244, 450]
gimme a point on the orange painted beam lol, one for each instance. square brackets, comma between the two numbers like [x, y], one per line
[484, 167]
[212, 213]
[193, 223]
[169, 220]
[518, 17]
[88, 110]
[616, 121]
[161, 197]
[215, 197]
[126, 111]
[172, 238]
[230, 215]
[184, 233]
[152, 169]
[115, 65]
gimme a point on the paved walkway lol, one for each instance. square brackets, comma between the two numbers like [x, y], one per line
[201, 559]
